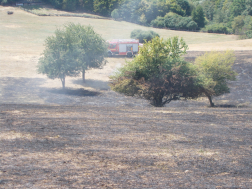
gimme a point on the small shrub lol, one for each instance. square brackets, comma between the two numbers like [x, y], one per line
[143, 36]
[192, 25]
[115, 14]
[217, 28]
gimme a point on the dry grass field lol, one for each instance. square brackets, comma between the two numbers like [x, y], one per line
[91, 137]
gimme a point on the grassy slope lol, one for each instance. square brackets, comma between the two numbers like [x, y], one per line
[29, 31]
[22, 36]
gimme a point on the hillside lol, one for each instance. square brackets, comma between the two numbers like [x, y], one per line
[91, 137]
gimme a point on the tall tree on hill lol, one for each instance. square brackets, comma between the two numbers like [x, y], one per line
[198, 16]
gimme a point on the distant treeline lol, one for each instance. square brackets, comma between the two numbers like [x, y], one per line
[217, 16]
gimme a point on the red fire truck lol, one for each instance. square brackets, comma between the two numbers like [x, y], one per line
[127, 47]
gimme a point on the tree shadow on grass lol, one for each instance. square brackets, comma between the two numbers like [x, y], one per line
[96, 84]
[74, 92]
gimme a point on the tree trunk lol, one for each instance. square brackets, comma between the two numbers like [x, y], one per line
[158, 101]
[210, 100]
[83, 76]
[63, 82]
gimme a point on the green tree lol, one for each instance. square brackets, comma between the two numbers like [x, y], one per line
[208, 7]
[60, 57]
[198, 16]
[105, 7]
[214, 71]
[73, 49]
[115, 14]
[238, 6]
[92, 47]
[238, 24]
[157, 74]
[86, 5]
[143, 36]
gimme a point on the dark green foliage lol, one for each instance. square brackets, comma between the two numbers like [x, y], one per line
[242, 25]
[105, 7]
[143, 36]
[115, 14]
[175, 21]
[208, 7]
[238, 6]
[69, 5]
[158, 73]
[217, 28]
[87, 5]
[238, 24]
[159, 22]
[185, 6]
[192, 26]
[248, 34]
[198, 16]
[7, 2]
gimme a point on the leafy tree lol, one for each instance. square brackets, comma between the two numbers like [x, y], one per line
[105, 7]
[192, 25]
[217, 28]
[238, 24]
[143, 36]
[184, 4]
[86, 5]
[93, 47]
[115, 14]
[238, 6]
[158, 73]
[69, 5]
[60, 57]
[248, 10]
[198, 16]
[214, 71]
[208, 7]
[73, 49]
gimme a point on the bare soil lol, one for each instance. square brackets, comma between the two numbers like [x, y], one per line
[91, 137]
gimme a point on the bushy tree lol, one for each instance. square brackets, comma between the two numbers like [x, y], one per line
[143, 36]
[60, 57]
[72, 50]
[158, 73]
[214, 71]
[238, 24]
[115, 14]
[238, 6]
[198, 16]
[93, 47]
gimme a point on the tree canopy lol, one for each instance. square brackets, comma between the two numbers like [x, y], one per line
[158, 73]
[72, 50]
[60, 57]
[143, 36]
[214, 70]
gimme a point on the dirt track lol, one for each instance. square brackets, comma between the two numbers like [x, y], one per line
[99, 139]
